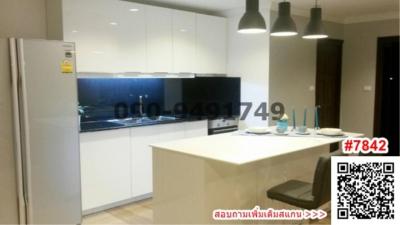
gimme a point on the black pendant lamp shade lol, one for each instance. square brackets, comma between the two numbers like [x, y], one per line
[315, 28]
[252, 21]
[284, 24]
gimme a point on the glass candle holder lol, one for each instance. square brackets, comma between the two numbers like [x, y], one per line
[281, 126]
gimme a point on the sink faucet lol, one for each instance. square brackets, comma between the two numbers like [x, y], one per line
[141, 113]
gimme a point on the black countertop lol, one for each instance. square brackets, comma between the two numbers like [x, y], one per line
[94, 126]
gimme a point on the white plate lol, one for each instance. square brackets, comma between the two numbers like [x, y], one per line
[258, 130]
[330, 132]
[281, 134]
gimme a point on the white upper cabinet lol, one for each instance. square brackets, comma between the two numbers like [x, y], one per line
[132, 36]
[87, 23]
[184, 42]
[211, 46]
[114, 36]
[110, 35]
[159, 39]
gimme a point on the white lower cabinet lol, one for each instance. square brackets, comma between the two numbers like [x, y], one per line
[196, 129]
[105, 168]
[142, 170]
[171, 132]
[142, 157]
[117, 165]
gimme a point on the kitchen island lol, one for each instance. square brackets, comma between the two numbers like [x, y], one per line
[193, 177]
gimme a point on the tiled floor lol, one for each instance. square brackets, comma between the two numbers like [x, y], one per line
[137, 213]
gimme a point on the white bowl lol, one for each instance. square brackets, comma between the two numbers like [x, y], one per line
[258, 130]
[331, 131]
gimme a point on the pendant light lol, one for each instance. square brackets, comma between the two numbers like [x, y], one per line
[284, 25]
[315, 28]
[252, 21]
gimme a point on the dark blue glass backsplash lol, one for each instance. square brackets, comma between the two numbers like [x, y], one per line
[99, 97]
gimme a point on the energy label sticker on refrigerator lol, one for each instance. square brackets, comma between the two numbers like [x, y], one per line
[67, 66]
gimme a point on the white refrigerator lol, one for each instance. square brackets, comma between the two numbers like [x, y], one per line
[39, 135]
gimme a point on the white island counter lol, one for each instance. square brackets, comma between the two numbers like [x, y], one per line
[193, 177]
[241, 149]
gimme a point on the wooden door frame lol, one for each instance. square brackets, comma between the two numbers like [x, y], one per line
[379, 81]
[341, 71]
[335, 146]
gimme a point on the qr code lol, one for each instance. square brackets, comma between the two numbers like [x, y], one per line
[364, 188]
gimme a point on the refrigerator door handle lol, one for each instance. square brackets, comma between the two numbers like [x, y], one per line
[24, 129]
[17, 131]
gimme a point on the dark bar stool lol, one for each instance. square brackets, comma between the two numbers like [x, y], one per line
[306, 195]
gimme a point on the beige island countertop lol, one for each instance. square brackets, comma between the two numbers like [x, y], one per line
[237, 148]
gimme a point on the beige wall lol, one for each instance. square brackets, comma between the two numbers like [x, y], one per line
[359, 70]
[23, 18]
[248, 58]
[293, 69]
[18, 18]
[54, 19]
[8, 190]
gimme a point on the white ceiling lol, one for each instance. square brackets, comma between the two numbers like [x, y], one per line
[335, 10]
[202, 5]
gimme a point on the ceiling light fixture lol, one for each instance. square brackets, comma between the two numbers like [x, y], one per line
[284, 25]
[133, 10]
[252, 21]
[315, 28]
[113, 23]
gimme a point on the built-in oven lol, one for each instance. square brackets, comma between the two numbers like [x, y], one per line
[223, 125]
